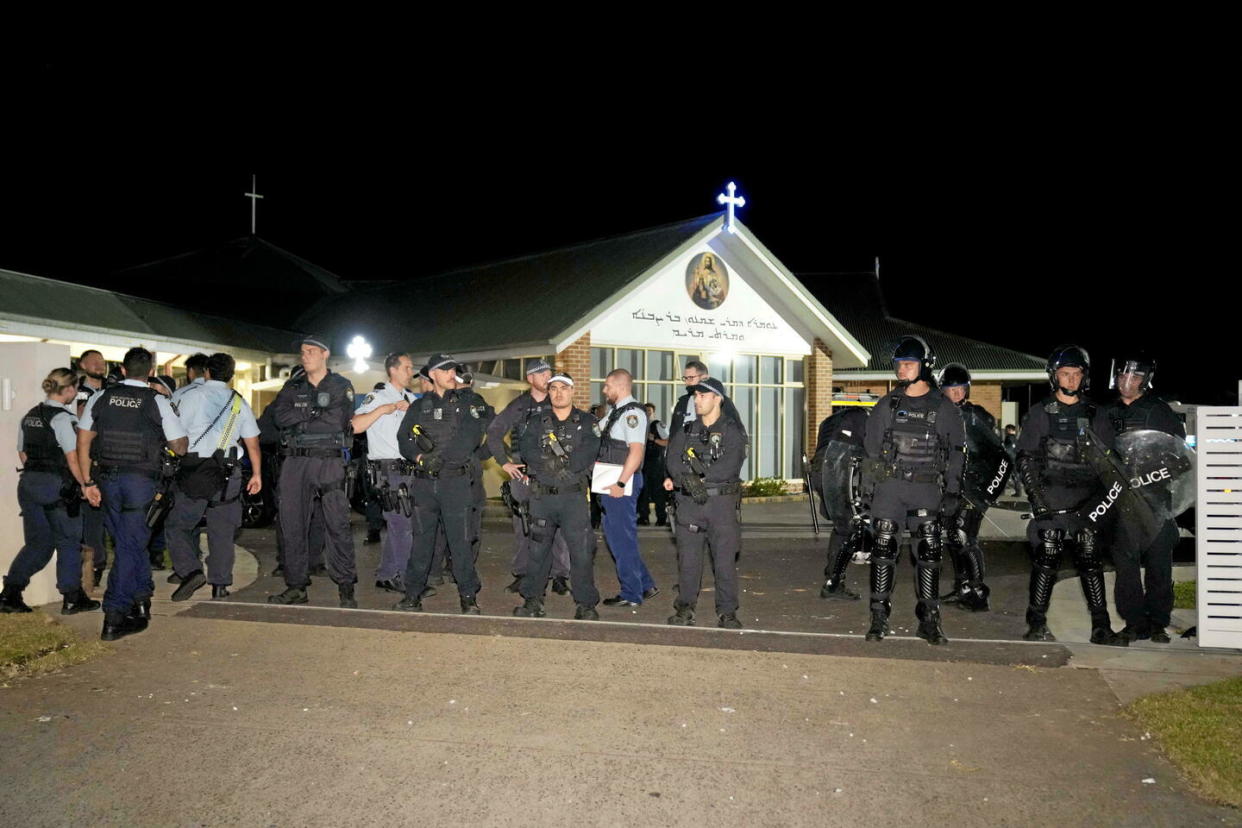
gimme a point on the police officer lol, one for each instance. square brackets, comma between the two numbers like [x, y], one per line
[313, 413]
[440, 434]
[510, 421]
[195, 376]
[623, 443]
[683, 409]
[216, 419]
[50, 495]
[653, 471]
[960, 529]
[916, 443]
[850, 533]
[1145, 611]
[559, 444]
[121, 438]
[380, 416]
[93, 371]
[1059, 481]
[704, 466]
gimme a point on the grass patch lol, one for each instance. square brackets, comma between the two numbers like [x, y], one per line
[1184, 594]
[1200, 729]
[35, 643]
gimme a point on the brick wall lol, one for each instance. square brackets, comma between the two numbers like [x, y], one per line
[818, 378]
[576, 361]
[987, 395]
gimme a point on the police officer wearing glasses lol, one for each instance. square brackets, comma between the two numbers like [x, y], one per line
[558, 445]
[313, 413]
[122, 437]
[440, 434]
[704, 465]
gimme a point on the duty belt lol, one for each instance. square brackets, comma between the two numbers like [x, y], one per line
[452, 471]
[294, 451]
[400, 466]
[713, 491]
[540, 489]
[919, 477]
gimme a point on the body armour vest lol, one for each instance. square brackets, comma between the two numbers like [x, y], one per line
[708, 446]
[611, 450]
[43, 453]
[530, 409]
[548, 444]
[131, 432]
[1063, 461]
[911, 443]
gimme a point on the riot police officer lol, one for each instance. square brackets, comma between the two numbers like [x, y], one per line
[915, 450]
[558, 444]
[440, 434]
[209, 483]
[380, 416]
[704, 465]
[532, 402]
[50, 495]
[960, 529]
[839, 441]
[121, 438]
[1060, 481]
[1146, 611]
[313, 413]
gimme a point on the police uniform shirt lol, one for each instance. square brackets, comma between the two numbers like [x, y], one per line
[63, 427]
[297, 403]
[180, 392]
[456, 442]
[725, 467]
[1145, 412]
[948, 427]
[173, 428]
[382, 435]
[198, 409]
[630, 427]
[579, 435]
[513, 416]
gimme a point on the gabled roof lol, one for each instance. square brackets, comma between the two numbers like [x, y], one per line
[35, 300]
[277, 285]
[518, 301]
[857, 299]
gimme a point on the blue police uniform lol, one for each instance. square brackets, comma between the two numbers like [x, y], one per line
[132, 423]
[625, 423]
[216, 419]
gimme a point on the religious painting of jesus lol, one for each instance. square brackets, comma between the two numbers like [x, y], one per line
[707, 281]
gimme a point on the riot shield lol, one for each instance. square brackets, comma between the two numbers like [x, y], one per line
[988, 466]
[1132, 509]
[1162, 468]
[837, 490]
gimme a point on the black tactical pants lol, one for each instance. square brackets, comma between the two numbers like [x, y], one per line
[522, 544]
[1145, 601]
[303, 481]
[565, 517]
[715, 524]
[452, 500]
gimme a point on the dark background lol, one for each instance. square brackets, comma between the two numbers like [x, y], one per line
[1021, 223]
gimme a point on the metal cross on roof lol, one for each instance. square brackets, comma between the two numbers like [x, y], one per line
[254, 197]
[732, 201]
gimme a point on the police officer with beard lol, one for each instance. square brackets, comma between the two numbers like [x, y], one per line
[313, 413]
[1145, 611]
[915, 443]
[704, 463]
[960, 529]
[559, 445]
[121, 439]
[441, 434]
[1059, 482]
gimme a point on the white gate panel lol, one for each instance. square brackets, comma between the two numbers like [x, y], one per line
[1218, 526]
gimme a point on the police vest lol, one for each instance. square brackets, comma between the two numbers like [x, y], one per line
[911, 443]
[43, 453]
[612, 450]
[130, 429]
[324, 431]
[551, 443]
[529, 409]
[1131, 417]
[708, 445]
[444, 419]
[1064, 464]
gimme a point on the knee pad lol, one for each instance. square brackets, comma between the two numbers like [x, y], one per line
[1086, 554]
[886, 532]
[1048, 553]
[929, 550]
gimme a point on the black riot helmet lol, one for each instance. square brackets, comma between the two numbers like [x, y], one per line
[1069, 356]
[1139, 363]
[955, 374]
[915, 348]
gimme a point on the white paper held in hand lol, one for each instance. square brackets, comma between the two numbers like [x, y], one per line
[607, 474]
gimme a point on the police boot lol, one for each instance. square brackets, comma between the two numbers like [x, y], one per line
[533, 608]
[560, 585]
[346, 593]
[470, 606]
[515, 585]
[879, 620]
[219, 592]
[584, 613]
[11, 600]
[834, 586]
[883, 562]
[684, 616]
[974, 594]
[1044, 565]
[1101, 624]
[373, 537]
[139, 617]
[292, 595]
[115, 626]
[729, 621]
[193, 582]
[409, 604]
[975, 598]
[77, 601]
[929, 625]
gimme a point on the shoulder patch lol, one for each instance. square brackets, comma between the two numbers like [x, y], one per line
[349, 392]
[631, 420]
[370, 399]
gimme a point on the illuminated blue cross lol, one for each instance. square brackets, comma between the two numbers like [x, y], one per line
[732, 201]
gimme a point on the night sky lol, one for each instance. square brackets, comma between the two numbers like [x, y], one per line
[1009, 234]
